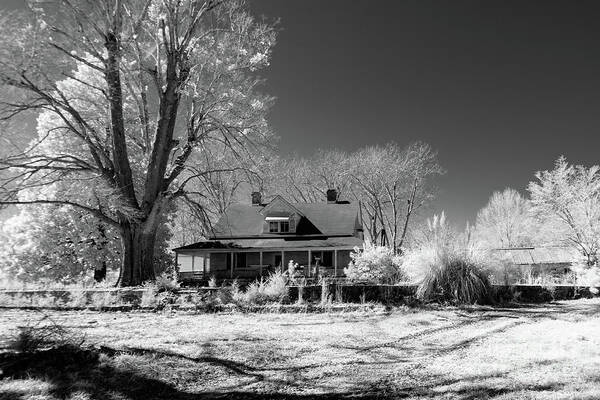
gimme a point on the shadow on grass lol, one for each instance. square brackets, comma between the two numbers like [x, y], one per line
[71, 370]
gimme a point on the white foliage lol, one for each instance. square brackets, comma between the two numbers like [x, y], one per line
[374, 263]
[569, 196]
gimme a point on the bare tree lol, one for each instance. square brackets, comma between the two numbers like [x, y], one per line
[307, 179]
[393, 183]
[505, 220]
[136, 91]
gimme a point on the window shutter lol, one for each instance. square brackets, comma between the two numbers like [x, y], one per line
[265, 226]
[293, 223]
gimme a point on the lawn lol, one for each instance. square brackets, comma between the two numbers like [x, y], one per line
[548, 351]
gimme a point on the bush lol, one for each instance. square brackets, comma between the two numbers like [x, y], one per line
[587, 275]
[454, 276]
[166, 283]
[77, 298]
[375, 264]
[40, 337]
[149, 296]
[106, 299]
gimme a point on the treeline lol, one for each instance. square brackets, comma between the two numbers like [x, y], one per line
[561, 207]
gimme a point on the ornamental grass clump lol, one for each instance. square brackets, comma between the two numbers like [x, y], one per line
[447, 268]
[272, 290]
[457, 279]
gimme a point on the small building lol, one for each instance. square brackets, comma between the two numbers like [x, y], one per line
[537, 261]
[252, 240]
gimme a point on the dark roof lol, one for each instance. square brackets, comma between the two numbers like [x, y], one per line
[538, 255]
[243, 221]
[273, 243]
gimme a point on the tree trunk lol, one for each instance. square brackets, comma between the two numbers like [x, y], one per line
[100, 273]
[137, 264]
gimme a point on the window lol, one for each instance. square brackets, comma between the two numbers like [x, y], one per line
[279, 226]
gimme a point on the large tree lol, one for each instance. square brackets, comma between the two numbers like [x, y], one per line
[136, 93]
[568, 197]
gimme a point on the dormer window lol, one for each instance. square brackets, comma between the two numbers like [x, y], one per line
[278, 224]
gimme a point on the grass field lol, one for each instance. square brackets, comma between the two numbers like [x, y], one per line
[549, 351]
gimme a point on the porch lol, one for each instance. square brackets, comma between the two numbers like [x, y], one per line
[254, 263]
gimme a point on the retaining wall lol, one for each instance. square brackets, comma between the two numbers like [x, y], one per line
[337, 292]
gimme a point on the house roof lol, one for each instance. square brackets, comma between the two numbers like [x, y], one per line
[246, 221]
[538, 255]
[274, 243]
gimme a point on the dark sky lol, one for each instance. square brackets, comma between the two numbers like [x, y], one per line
[499, 88]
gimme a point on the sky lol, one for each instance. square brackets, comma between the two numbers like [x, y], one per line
[499, 88]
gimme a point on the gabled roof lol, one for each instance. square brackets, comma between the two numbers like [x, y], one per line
[323, 219]
[279, 205]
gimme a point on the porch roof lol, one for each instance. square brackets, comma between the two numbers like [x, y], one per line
[266, 244]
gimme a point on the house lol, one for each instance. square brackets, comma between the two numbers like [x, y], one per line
[251, 240]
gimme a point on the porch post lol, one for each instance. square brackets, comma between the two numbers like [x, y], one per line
[260, 258]
[335, 263]
[309, 263]
[204, 265]
[231, 269]
[282, 260]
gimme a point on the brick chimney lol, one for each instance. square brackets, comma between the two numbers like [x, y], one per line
[332, 196]
[256, 199]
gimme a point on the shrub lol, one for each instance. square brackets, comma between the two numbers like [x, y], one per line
[104, 299]
[77, 298]
[225, 295]
[149, 296]
[376, 264]
[40, 337]
[454, 276]
[47, 300]
[587, 275]
[325, 295]
[166, 283]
